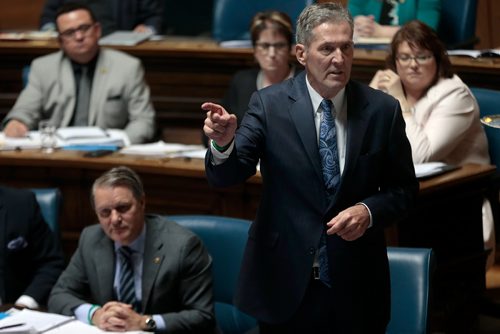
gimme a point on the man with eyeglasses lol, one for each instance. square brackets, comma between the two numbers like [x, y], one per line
[83, 84]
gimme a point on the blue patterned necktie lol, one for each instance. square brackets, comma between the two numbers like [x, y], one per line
[127, 288]
[328, 147]
[331, 174]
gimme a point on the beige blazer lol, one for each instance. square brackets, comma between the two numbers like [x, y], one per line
[119, 99]
[444, 126]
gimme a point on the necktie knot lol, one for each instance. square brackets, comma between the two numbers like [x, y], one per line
[125, 253]
[328, 109]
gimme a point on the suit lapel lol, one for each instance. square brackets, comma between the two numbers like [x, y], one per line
[153, 258]
[302, 115]
[98, 86]
[104, 254]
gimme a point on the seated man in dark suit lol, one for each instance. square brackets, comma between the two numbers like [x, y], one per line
[30, 259]
[135, 271]
[84, 84]
[136, 15]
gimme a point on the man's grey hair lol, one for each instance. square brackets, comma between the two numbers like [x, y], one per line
[119, 177]
[319, 13]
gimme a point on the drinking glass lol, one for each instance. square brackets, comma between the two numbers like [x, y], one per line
[47, 135]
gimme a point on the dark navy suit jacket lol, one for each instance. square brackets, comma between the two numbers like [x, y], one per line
[279, 130]
[30, 259]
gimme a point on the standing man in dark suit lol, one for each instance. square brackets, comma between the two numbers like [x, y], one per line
[316, 259]
[135, 271]
[30, 259]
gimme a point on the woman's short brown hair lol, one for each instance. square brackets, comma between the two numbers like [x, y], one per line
[419, 35]
[271, 19]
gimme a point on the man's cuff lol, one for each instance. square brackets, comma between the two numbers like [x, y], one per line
[160, 322]
[27, 301]
[369, 212]
[219, 157]
[82, 312]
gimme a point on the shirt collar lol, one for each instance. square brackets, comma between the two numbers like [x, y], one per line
[138, 244]
[338, 100]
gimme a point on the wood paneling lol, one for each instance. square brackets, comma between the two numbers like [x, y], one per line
[20, 14]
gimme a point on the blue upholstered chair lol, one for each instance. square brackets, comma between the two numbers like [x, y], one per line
[457, 26]
[489, 104]
[225, 239]
[231, 18]
[411, 276]
[488, 100]
[49, 200]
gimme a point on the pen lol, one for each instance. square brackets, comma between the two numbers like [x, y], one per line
[13, 325]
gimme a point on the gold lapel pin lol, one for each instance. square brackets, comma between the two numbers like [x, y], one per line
[156, 260]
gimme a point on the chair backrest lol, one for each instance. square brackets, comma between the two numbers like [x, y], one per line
[457, 26]
[49, 200]
[225, 239]
[488, 100]
[411, 274]
[231, 18]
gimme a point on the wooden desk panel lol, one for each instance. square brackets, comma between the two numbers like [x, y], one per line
[183, 73]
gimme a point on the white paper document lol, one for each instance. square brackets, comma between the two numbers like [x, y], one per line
[432, 168]
[161, 148]
[68, 137]
[34, 321]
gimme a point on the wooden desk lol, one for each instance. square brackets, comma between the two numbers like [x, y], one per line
[447, 216]
[183, 73]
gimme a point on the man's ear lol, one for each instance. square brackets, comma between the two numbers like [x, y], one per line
[301, 54]
[98, 29]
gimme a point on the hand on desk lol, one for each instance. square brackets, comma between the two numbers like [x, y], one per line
[220, 126]
[117, 317]
[16, 128]
[351, 223]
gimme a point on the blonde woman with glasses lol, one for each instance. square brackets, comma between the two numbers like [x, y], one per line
[441, 114]
[272, 39]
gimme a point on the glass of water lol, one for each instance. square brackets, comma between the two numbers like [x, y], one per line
[47, 135]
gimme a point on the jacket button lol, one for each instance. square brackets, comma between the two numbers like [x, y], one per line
[312, 250]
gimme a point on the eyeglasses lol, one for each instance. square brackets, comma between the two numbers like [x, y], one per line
[71, 33]
[405, 59]
[278, 47]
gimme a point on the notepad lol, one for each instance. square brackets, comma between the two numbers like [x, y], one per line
[125, 38]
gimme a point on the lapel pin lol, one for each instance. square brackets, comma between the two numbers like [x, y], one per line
[156, 260]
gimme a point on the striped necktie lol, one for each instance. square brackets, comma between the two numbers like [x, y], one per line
[126, 287]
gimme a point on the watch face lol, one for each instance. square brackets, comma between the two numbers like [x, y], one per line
[150, 324]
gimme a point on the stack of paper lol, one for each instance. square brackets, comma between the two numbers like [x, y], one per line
[164, 149]
[432, 168]
[123, 37]
[31, 322]
[25, 143]
[94, 136]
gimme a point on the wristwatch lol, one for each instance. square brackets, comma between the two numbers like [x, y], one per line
[150, 324]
